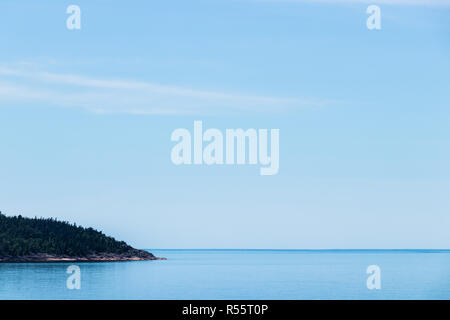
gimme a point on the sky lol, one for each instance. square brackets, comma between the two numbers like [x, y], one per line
[86, 118]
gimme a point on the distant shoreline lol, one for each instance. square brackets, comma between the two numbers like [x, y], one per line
[138, 255]
[311, 250]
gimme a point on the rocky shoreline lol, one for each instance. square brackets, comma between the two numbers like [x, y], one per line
[132, 255]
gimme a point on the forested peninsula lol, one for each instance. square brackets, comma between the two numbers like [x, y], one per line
[49, 240]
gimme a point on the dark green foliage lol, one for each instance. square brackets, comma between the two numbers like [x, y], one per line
[21, 236]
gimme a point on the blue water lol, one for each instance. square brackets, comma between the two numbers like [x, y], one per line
[240, 274]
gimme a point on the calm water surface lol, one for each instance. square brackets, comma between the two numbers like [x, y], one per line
[240, 274]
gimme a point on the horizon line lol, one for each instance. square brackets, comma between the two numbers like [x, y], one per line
[353, 249]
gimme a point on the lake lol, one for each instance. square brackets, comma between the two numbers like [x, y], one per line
[240, 274]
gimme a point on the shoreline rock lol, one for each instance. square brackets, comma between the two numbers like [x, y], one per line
[132, 255]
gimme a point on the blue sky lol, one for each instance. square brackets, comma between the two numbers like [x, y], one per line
[86, 117]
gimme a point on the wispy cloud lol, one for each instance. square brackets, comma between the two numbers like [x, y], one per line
[387, 2]
[28, 85]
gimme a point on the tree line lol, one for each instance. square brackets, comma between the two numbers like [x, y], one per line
[20, 236]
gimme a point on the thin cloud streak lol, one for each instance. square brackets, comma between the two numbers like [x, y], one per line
[136, 97]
